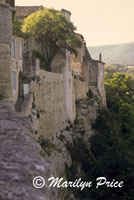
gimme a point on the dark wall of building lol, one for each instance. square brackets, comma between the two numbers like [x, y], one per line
[5, 25]
[11, 2]
[5, 50]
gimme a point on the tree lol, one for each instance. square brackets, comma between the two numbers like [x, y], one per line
[112, 147]
[53, 32]
[16, 25]
[111, 152]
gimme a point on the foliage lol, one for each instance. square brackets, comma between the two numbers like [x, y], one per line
[53, 32]
[17, 26]
[112, 147]
[2, 97]
[90, 94]
[38, 55]
[119, 90]
[48, 146]
[120, 68]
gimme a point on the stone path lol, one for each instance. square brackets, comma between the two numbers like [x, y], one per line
[20, 160]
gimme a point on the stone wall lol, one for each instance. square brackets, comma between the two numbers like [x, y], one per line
[5, 24]
[59, 62]
[100, 86]
[62, 63]
[48, 106]
[96, 78]
[93, 73]
[81, 89]
[88, 72]
[31, 66]
[5, 50]
[68, 87]
[17, 64]
[21, 160]
[77, 61]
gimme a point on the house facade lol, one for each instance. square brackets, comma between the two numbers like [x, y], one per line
[17, 49]
[49, 98]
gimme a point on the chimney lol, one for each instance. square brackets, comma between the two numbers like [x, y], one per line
[67, 14]
[100, 57]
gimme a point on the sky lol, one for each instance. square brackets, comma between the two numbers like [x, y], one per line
[101, 22]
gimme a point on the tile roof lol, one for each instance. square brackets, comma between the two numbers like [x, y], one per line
[24, 11]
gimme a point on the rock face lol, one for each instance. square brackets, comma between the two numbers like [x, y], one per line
[66, 149]
[5, 50]
[21, 160]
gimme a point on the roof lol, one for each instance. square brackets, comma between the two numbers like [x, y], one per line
[80, 35]
[63, 10]
[24, 11]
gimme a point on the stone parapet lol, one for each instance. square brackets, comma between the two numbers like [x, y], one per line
[5, 75]
[5, 49]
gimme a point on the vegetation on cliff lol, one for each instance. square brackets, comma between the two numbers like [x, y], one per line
[111, 152]
[52, 32]
[17, 26]
[120, 68]
[112, 148]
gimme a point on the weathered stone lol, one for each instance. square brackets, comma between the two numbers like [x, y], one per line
[49, 101]
[80, 88]
[5, 51]
[20, 160]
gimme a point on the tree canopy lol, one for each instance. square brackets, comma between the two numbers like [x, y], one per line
[16, 26]
[112, 148]
[53, 32]
[111, 153]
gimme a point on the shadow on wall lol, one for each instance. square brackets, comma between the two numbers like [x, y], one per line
[11, 2]
[20, 94]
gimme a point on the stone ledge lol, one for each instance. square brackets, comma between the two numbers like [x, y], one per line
[7, 6]
[4, 4]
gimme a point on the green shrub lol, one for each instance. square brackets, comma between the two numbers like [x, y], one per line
[90, 94]
[46, 144]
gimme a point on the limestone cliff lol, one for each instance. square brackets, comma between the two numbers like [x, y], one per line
[58, 109]
[65, 149]
[23, 158]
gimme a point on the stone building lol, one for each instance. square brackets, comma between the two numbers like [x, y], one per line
[49, 98]
[11, 2]
[56, 106]
[88, 72]
[5, 49]
[24, 11]
[17, 48]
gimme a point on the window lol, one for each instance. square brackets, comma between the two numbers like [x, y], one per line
[14, 80]
[13, 48]
[26, 89]
[20, 52]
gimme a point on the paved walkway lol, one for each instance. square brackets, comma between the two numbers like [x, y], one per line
[20, 160]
